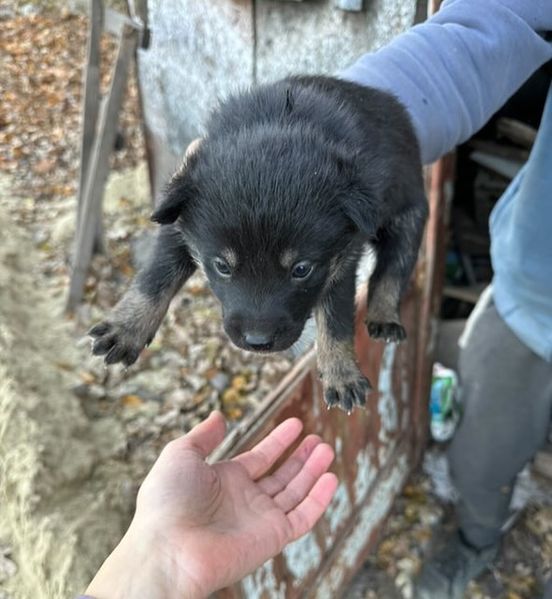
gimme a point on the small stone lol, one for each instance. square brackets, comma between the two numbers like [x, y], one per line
[84, 391]
[196, 382]
[220, 381]
[7, 567]
[429, 516]
[40, 237]
[168, 419]
[87, 377]
[182, 399]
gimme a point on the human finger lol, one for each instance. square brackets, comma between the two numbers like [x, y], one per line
[273, 484]
[206, 435]
[260, 458]
[298, 488]
[308, 512]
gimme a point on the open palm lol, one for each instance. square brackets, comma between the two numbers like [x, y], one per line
[216, 523]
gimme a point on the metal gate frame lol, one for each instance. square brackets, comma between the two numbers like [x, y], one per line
[376, 449]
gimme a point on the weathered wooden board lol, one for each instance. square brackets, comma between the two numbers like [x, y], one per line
[90, 206]
[318, 37]
[200, 51]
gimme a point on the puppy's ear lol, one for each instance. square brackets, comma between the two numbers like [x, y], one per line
[358, 201]
[361, 207]
[174, 200]
[179, 190]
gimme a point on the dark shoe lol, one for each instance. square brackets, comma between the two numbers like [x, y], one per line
[451, 567]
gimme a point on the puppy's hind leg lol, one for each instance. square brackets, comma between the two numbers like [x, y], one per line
[344, 385]
[134, 321]
[397, 250]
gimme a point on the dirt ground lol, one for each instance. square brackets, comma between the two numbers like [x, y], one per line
[75, 438]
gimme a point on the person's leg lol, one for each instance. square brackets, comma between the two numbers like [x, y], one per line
[506, 394]
[548, 589]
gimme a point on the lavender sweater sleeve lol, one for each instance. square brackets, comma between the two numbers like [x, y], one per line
[459, 67]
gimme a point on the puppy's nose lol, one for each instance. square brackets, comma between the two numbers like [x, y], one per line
[258, 341]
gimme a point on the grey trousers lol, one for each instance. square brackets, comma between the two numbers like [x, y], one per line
[507, 398]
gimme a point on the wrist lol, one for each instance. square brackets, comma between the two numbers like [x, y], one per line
[140, 566]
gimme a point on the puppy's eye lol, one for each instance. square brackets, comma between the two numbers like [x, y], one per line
[221, 266]
[302, 270]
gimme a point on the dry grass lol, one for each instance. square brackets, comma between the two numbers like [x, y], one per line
[62, 505]
[33, 538]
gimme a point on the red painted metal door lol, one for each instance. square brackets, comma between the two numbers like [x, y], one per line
[375, 449]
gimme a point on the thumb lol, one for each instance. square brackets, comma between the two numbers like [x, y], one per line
[206, 435]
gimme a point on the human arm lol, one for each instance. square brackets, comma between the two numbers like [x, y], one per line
[454, 71]
[200, 527]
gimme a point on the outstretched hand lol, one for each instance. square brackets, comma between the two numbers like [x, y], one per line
[200, 527]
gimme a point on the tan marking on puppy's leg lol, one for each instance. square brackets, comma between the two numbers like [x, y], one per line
[383, 319]
[144, 313]
[131, 326]
[344, 384]
[383, 301]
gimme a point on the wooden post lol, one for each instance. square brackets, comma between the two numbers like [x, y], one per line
[91, 104]
[99, 165]
[138, 10]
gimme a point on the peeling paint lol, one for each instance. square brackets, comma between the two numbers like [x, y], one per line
[340, 508]
[316, 406]
[405, 381]
[387, 406]
[366, 473]
[302, 556]
[432, 338]
[262, 584]
[405, 389]
[369, 518]
[338, 446]
[324, 591]
[405, 419]
[374, 511]
[385, 451]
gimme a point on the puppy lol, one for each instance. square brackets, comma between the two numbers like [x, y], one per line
[276, 204]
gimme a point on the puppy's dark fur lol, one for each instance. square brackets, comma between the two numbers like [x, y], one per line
[276, 204]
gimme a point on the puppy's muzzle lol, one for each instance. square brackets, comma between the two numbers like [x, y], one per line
[257, 341]
[262, 335]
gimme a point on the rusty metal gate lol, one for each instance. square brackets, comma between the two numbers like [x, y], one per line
[375, 449]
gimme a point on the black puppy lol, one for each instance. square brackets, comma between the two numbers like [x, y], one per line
[276, 204]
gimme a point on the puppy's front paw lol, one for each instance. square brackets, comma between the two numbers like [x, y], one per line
[347, 394]
[118, 342]
[388, 331]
